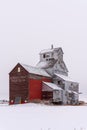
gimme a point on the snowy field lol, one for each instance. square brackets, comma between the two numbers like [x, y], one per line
[41, 117]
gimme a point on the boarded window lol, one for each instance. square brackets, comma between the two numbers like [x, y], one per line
[19, 69]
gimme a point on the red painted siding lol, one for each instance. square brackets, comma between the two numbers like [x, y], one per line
[24, 86]
[18, 85]
[35, 88]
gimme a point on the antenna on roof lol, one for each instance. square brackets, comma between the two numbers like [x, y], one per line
[52, 46]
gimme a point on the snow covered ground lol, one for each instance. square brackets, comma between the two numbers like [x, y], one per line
[41, 117]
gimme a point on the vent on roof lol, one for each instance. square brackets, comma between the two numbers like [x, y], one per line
[52, 46]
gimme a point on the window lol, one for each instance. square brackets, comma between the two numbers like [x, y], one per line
[44, 56]
[19, 69]
[59, 82]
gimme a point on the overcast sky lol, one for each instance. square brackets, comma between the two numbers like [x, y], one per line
[29, 26]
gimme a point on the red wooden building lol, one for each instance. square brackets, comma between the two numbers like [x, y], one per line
[25, 83]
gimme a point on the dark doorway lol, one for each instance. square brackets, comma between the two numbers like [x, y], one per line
[17, 100]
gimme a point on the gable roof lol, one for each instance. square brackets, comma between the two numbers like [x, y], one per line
[65, 78]
[51, 50]
[46, 64]
[52, 86]
[42, 64]
[35, 70]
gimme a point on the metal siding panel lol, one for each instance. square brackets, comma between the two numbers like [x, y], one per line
[35, 88]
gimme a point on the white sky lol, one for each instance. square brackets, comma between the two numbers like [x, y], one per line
[29, 26]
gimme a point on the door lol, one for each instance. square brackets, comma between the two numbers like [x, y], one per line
[17, 100]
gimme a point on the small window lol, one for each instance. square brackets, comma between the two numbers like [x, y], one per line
[59, 82]
[19, 69]
[44, 56]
